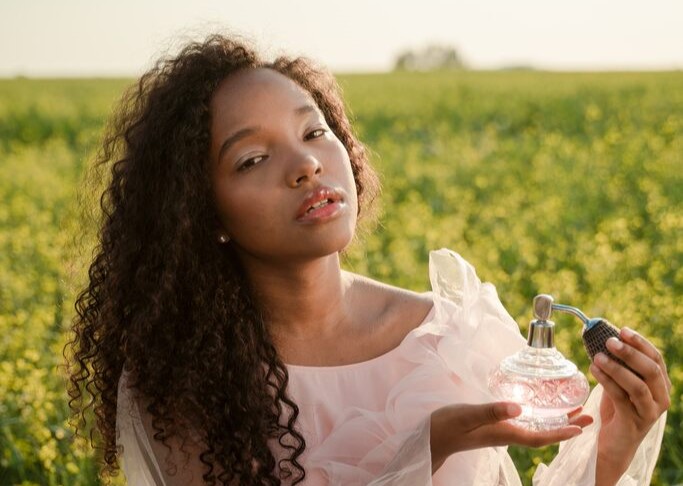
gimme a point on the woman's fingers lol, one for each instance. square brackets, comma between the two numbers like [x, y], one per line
[575, 412]
[635, 389]
[488, 425]
[511, 434]
[619, 397]
[521, 436]
[642, 363]
[580, 420]
[616, 393]
[577, 418]
[634, 339]
[471, 417]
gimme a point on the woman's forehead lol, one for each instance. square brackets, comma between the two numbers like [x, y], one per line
[256, 91]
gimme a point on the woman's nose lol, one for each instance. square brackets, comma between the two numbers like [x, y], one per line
[304, 167]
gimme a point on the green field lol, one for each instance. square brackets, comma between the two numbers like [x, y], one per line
[568, 184]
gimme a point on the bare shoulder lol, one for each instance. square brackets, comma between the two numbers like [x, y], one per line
[401, 309]
[407, 305]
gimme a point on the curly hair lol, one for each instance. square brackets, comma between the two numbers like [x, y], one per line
[169, 302]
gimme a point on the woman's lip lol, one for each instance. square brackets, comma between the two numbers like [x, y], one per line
[316, 195]
[323, 214]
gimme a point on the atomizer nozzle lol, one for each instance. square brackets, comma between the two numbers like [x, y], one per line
[543, 307]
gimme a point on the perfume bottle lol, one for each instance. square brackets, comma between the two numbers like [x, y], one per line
[539, 377]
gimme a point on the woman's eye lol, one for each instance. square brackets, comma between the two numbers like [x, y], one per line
[247, 164]
[317, 133]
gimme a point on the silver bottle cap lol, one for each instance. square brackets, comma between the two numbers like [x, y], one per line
[541, 329]
[543, 306]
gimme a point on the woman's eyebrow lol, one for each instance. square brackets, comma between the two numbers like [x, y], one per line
[308, 108]
[245, 132]
[235, 137]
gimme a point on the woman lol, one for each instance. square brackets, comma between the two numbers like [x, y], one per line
[224, 344]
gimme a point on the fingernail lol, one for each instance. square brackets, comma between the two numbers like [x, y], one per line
[601, 358]
[615, 344]
[627, 333]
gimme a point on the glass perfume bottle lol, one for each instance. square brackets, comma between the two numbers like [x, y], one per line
[539, 377]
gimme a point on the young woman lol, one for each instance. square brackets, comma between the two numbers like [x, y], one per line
[224, 344]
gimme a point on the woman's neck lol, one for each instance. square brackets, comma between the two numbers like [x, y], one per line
[303, 301]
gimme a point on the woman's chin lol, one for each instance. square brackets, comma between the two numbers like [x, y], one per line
[329, 246]
[333, 239]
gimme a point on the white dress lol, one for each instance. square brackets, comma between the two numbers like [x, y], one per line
[368, 423]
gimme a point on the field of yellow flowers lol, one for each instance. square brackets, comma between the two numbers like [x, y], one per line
[568, 184]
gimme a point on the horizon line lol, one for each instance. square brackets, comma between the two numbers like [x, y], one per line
[345, 72]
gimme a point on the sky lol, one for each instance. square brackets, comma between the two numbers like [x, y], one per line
[124, 37]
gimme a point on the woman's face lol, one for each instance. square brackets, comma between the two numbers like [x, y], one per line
[272, 154]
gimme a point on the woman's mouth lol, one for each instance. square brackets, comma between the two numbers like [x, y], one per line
[321, 204]
[322, 211]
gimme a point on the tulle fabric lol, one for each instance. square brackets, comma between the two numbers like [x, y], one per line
[140, 466]
[368, 423]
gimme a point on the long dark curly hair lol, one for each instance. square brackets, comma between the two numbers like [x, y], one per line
[165, 298]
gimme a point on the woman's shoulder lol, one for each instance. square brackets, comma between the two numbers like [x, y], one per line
[402, 309]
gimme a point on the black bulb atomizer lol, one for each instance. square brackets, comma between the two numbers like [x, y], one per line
[596, 331]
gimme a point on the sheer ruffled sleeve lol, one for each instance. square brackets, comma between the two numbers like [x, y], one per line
[139, 462]
[412, 464]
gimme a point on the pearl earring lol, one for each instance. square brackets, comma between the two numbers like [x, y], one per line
[223, 239]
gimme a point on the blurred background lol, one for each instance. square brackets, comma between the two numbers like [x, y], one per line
[85, 38]
[542, 141]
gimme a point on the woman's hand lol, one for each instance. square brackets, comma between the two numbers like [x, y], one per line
[629, 406]
[457, 428]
